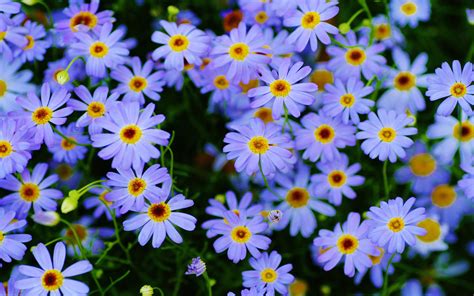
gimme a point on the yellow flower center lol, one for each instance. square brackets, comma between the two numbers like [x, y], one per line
[464, 132]
[443, 196]
[347, 100]
[408, 8]
[178, 43]
[3, 87]
[136, 186]
[404, 81]
[29, 192]
[5, 148]
[396, 224]
[377, 259]
[103, 198]
[221, 82]
[433, 230]
[68, 144]
[458, 90]
[130, 134]
[99, 49]
[261, 17]
[297, 197]
[383, 31]
[79, 230]
[205, 63]
[239, 51]
[83, 18]
[387, 134]
[265, 114]
[42, 115]
[347, 244]
[52, 280]
[159, 212]
[240, 234]
[355, 56]
[310, 20]
[137, 83]
[422, 164]
[253, 83]
[258, 145]
[321, 78]
[280, 88]
[64, 171]
[2, 35]
[30, 44]
[96, 109]
[337, 178]
[268, 275]
[324, 134]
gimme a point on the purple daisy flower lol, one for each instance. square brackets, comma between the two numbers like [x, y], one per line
[11, 245]
[130, 188]
[76, 72]
[347, 101]
[187, 17]
[138, 82]
[336, 179]
[100, 201]
[14, 146]
[45, 111]
[50, 277]
[283, 87]
[276, 41]
[102, 50]
[9, 7]
[31, 190]
[410, 11]
[13, 83]
[386, 32]
[358, 57]
[310, 18]
[267, 274]
[158, 220]
[322, 136]
[259, 145]
[11, 37]
[454, 85]
[67, 149]
[131, 135]
[242, 53]
[37, 43]
[385, 135]
[393, 224]
[222, 87]
[240, 234]
[265, 17]
[196, 267]
[349, 241]
[180, 43]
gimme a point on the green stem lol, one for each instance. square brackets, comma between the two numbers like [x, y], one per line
[265, 179]
[68, 139]
[385, 180]
[117, 234]
[364, 5]
[116, 281]
[385, 279]
[208, 283]
[354, 16]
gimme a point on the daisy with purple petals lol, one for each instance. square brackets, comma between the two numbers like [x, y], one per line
[37, 43]
[349, 241]
[158, 220]
[322, 136]
[130, 135]
[347, 100]
[76, 72]
[336, 179]
[385, 135]
[31, 190]
[223, 89]
[100, 203]
[240, 234]
[180, 43]
[284, 89]
[138, 82]
[69, 149]
[267, 274]
[12, 37]
[410, 11]
[259, 146]
[50, 278]
[386, 32]
[311, 19]
[454, 86]
[9, 7]
[14, 146]
[393, 224]
[13, 83]
[196, 267]
[11, 245]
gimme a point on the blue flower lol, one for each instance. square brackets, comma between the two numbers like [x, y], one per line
[67, 149]
[11, 245]
[9, 7]
[37, 43]
[13, 83]
[13, 37]
[410, 11]
[15, 146]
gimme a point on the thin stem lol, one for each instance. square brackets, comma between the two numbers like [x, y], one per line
[68, 139]
[117, 233]
[354, 16]
[385, 279]
[116, 281]
[364, 5]
[265, 179]
[208, 283]
[385, 180]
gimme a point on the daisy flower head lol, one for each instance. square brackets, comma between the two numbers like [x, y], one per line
[139, 81]
[242, 52]
[11, 244]
[349, 241]
[37, 43]
[101, 50]
[11, 37]
[222, 87]
[267, 274]
[410, 11]
[159, 219]
[386, 32]
[129, 135]
[196, 267]
[358, 58]
[239, 234]
[311, 21]
[13, 83]
[14, 146]
[70, 148]
[422, 169]
[31, 190]
[280, 49]
[284, 88]
[321, 136]
[187, 17]
[181, 43]
[434, 238]
[265, 17]
[394, 224]
[259, 146]
[454, 86]
[96, 106]
[9, 7]
[50, 278]
[385, 135]
[100, 203]
[347, 100]
[336, 179]
[45, 111]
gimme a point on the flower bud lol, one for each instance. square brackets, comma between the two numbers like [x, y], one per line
[146, 290]
[344, 28]
[30, 2]
[70, 203]
[62, 77]
[220, 198]
[47, 218]
[172, 12]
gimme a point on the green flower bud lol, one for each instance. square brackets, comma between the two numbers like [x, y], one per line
[62, 77]
[344, 28]
[146, 290]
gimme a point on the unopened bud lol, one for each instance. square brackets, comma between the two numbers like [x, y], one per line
[146, 290]
[62, 77]
[344, 28]
[47, 218]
